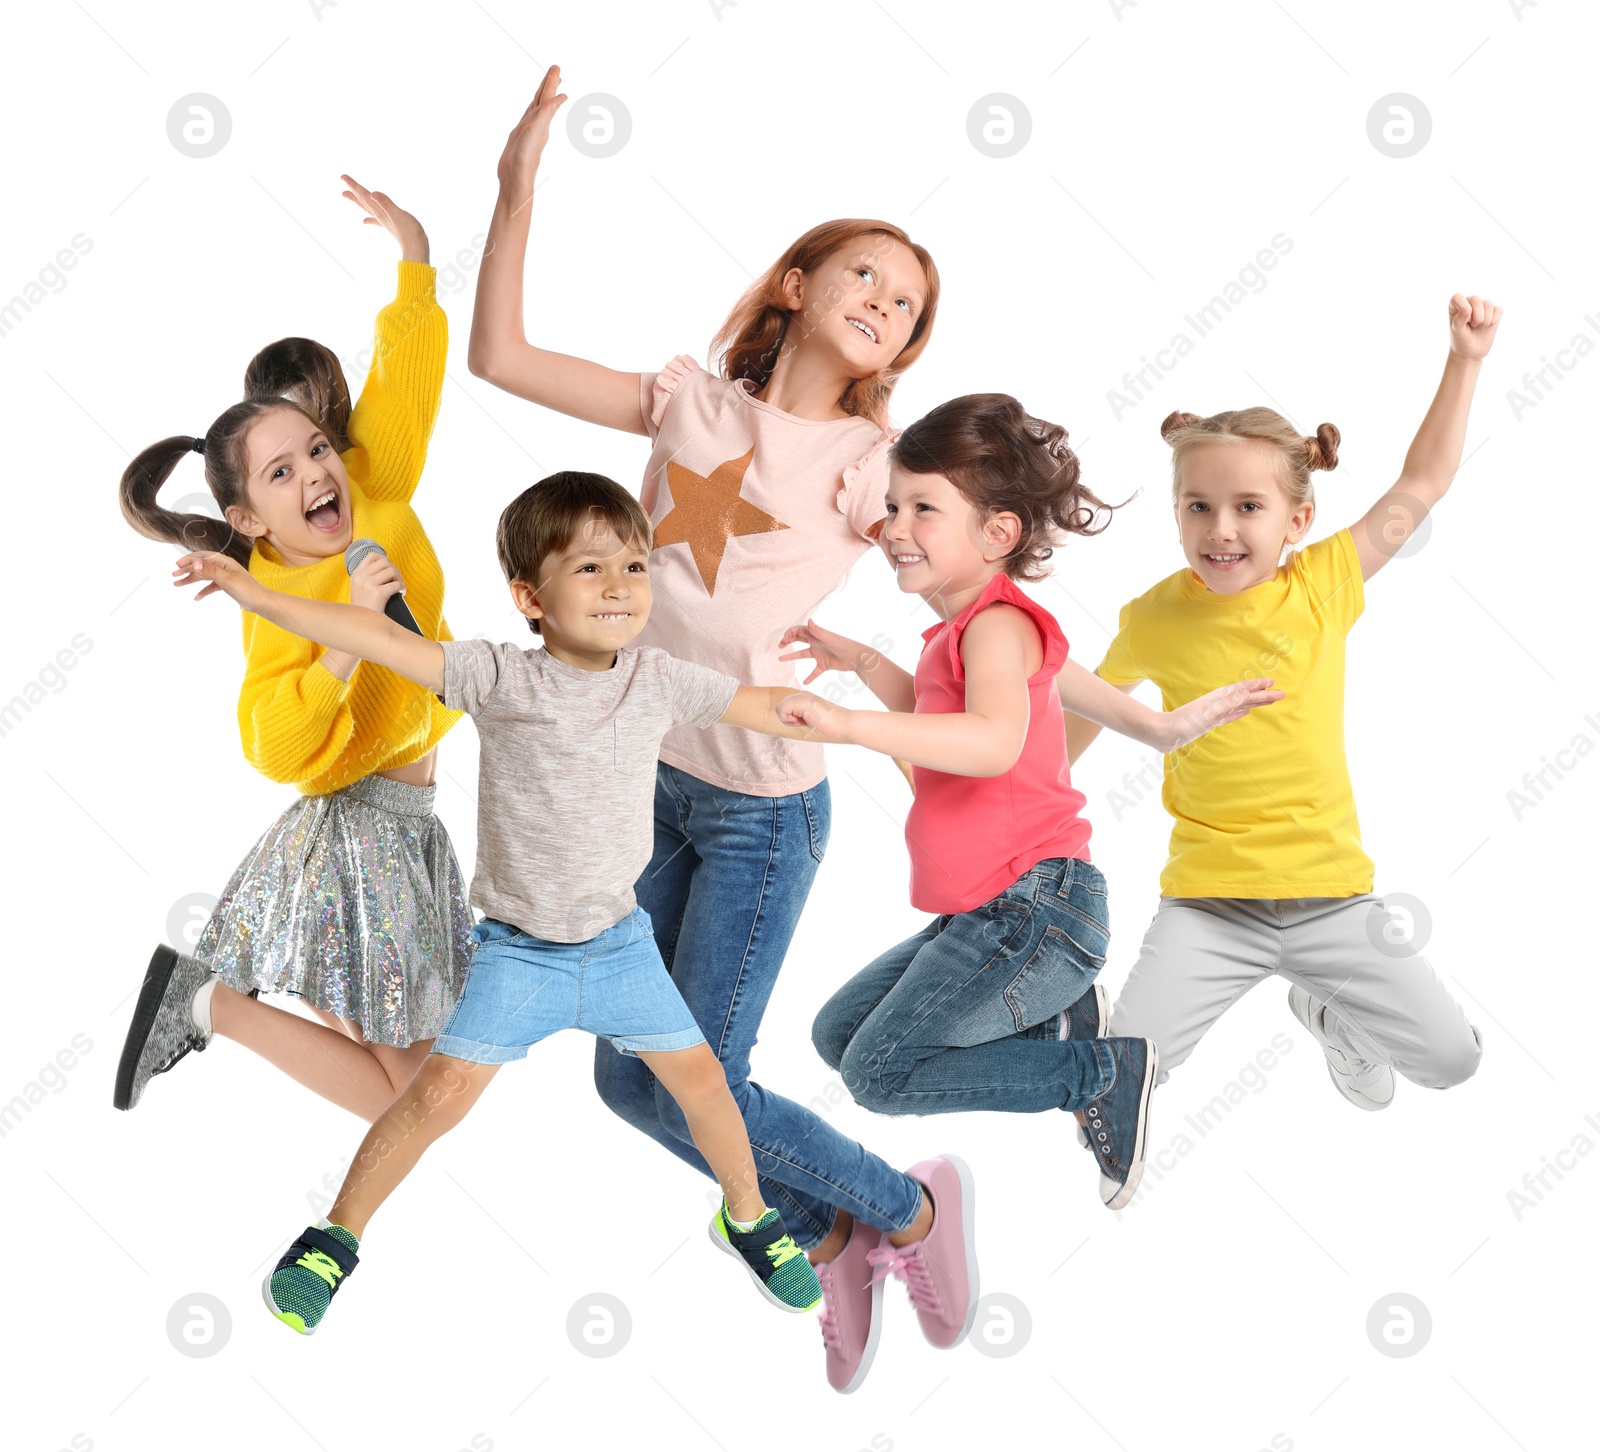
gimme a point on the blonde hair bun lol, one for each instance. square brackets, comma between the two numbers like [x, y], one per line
[1322, 450]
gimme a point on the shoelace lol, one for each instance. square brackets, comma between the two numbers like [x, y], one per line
[910, 1263]
[782, 1251]
[320, 1263]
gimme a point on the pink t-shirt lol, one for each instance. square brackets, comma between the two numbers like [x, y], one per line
[971, 837]
[758, 515]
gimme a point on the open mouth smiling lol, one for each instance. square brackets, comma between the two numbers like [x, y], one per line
[324, 513]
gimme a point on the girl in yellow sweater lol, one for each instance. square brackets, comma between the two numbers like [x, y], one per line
[352, 900]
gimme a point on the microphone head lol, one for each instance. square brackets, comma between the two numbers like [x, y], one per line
[358, 550]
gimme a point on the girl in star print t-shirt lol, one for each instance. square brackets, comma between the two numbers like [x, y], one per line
[765, 484]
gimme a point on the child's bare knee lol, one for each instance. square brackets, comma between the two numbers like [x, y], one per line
[697, 1083]
[440, 1094]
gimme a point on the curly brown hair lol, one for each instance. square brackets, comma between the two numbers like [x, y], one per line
[1004, 460]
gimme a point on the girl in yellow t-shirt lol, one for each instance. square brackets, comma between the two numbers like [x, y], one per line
[1265, 873]
[352, 900]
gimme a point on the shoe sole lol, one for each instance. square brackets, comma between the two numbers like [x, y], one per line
[728, 1248]
[156, 978]
[289, 1318]
[1129, 1187]
[969, 1236]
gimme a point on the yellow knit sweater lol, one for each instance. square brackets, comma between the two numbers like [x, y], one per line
[298, 721]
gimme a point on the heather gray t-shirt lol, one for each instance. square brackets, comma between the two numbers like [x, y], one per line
[567, 776]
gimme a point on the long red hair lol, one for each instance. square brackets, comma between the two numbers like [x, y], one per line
[750, 342]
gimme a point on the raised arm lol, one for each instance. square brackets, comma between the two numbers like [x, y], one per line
[393, 420]
[1435, 454]
[499, 350]
[363, 633]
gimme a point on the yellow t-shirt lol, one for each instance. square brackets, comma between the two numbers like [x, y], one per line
[1261, 807]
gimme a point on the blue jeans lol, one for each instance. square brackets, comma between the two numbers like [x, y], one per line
[964, 1015]
[724, 889]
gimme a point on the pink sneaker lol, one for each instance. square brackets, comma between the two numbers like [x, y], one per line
[941, 1269]
[852, 1309]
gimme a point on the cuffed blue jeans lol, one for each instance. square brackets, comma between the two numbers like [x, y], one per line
[724, 890]
[965, 1014]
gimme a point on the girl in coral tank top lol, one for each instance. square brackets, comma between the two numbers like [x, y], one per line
[994, 1004]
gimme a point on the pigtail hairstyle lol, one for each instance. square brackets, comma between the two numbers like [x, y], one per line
[224, 450]
[1003, 459]
[308, 375]
[761, 325]
[1297, 455]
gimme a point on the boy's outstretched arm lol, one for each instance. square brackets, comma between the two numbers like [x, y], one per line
[755, 708]
[1435, 453]
[360, 632]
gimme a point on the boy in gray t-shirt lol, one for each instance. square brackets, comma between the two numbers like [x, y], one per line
[569, 736]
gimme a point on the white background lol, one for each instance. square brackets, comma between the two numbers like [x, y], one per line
[1228, 1307]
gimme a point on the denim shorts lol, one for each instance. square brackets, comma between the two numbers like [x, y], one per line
[521, 989]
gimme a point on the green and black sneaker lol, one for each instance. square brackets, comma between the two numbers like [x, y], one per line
[300, 1287]
[776, 1264]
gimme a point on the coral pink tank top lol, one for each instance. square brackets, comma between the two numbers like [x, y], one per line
[971, 837]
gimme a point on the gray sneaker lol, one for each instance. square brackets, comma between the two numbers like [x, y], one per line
[1366, 1084]
[163, 1029]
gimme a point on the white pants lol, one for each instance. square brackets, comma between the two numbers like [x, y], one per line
[1384, 1003]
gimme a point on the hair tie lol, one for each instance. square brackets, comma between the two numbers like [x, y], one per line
[199, 446]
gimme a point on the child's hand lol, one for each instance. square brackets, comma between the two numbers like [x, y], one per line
[382, 212]
[375, 579]
[830, 652]
[222, 572]
[519, 162]
[1218, 708]
[805, 709]
[1472, 324]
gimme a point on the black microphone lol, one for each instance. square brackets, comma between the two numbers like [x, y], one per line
[395, 606]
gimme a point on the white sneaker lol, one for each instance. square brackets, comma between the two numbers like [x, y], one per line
[1366, 1084]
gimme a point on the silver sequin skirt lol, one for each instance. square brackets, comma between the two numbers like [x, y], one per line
[354, 902]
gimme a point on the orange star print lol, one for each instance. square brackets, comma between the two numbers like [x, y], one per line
[707, 512]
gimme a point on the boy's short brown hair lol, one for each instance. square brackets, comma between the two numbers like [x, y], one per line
[548, 516]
